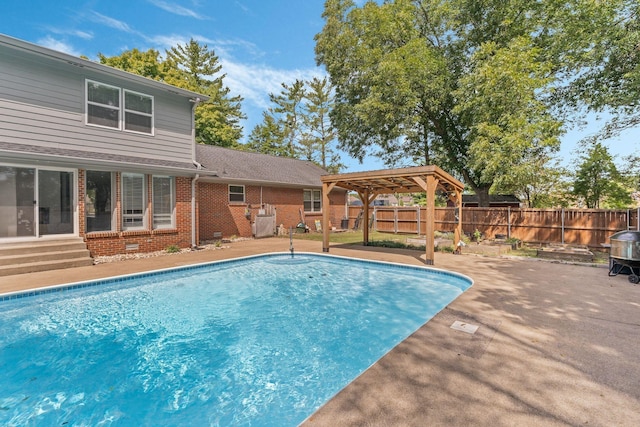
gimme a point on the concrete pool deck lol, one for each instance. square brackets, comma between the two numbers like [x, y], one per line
[557, 344]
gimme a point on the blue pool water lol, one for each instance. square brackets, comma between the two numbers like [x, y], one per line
[260, 341]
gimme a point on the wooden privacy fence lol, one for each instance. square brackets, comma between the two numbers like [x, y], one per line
[590, 227]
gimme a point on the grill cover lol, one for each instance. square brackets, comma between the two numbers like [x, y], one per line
[626, 245]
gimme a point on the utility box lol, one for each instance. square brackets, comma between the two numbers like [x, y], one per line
[264, 226]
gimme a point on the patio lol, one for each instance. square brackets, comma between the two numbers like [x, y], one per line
[557, 344]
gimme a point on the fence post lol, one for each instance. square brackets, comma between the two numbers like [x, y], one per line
[418, 220]
[366, 220]
[395, 220]
[508, 222]
[562, 213]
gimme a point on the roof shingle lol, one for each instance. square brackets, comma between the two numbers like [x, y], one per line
[246, 166]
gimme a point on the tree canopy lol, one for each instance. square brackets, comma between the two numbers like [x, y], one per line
[614, 86]
[194, 67]
[477, 87]
[297, 124]
[598, 181]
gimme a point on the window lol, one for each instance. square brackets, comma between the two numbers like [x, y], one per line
[138, 112]
[163, 202]
[312, 200]
[103, 105]
[236, 193]
[133, 201]
[98, 201]
[108, 107]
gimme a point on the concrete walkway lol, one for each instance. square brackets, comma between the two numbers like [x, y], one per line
[557, 344]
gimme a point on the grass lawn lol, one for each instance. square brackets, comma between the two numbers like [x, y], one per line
[356, 237]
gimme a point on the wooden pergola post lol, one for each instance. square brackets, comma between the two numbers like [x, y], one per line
[429, 186]
[430, 235]
[458, 232]
[326, 189]
[367, 199]
[456, 199]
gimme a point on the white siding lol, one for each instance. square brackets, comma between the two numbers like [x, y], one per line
[42, 104]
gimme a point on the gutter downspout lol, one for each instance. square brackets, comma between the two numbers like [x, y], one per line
[194, 243]
[198, 166]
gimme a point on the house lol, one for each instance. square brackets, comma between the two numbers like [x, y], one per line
[100, 155]
[247, 185]
[495, 201]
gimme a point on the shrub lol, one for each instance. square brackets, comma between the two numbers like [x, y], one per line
[172, 249]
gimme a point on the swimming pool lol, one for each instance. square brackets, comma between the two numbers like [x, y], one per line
[262, 340]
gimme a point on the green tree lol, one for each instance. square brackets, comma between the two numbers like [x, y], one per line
[319, 135]
[218, 119]
[632, 170]
[298, 124]
[597, 180]
[147, 64]
[614, 87]
[542, 185]
[287, 107]
[267, 138]
[281, 129]
[468, 85]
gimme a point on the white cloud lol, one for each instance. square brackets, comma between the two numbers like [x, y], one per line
[176, 9]
[75, 33]
[111, 22]
[255, 82]
[58, 45]
[164, 42]
[243, 7]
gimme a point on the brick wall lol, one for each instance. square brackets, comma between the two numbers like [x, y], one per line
[217, 215]
[119, 241]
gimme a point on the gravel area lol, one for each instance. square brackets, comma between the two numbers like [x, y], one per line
[206, 246]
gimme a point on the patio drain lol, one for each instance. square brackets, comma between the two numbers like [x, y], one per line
[479, 332]
[464, 327]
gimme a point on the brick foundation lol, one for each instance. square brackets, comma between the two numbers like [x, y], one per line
[118, 241]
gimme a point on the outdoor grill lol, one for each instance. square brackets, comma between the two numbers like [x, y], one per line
[625, 252]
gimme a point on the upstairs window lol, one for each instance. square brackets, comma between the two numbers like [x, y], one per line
[312, 200]
[103, 105]
[138, 112]
[112, 107]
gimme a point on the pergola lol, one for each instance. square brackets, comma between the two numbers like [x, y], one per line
[370, 184]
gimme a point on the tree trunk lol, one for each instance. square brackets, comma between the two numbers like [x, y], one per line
[483, 196]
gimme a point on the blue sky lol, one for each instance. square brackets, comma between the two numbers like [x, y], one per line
[261, 43]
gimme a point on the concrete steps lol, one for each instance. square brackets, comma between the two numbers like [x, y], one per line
[29, 257]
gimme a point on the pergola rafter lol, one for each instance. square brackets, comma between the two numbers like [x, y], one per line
[369, 185]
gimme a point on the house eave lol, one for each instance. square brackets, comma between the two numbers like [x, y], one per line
[89, 163]
[218, 179]
[96, 67]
